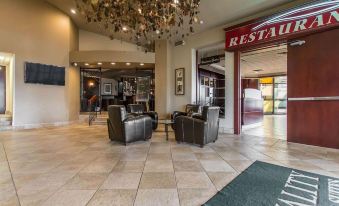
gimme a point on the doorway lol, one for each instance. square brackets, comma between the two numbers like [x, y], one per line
[2, 89]
[6, 88]
[264, 92]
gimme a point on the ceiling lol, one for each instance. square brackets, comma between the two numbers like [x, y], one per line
[270, 61]
[212, 12]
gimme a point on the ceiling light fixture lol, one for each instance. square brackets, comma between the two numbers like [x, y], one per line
[128, 64]
[171, 18]
[113, 63]
[99, 63]
[75, 64]
[86, 64]
[201, 22]
[73, 11]
[142, 64]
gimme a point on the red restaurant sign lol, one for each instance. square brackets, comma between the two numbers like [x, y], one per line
[303, 19]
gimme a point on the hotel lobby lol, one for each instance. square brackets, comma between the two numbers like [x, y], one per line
[178, 103]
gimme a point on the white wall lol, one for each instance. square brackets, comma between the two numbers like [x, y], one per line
[34, 31]
[89, 41]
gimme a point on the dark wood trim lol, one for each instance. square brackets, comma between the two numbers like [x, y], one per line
[237, 93]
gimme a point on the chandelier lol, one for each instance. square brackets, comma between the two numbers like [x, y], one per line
[142, 21]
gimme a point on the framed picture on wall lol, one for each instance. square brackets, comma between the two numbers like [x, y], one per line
[180, 81]
[108, 88]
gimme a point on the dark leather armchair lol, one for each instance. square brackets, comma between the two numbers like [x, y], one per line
[127, 128]
[139, 109]
[198, 129]
[189, 110]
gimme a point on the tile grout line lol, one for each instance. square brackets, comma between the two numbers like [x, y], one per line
[174, 173]
[59, 188]
[142, 173]
[102, 181]
[10, 171]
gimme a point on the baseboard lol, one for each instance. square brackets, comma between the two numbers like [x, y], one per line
[42, 125]
[224, 130]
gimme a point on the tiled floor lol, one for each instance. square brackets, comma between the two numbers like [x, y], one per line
[273, 126]
[78, 165]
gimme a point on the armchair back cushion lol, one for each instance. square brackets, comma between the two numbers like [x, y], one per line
[136, 108]
[127, 128]
[193, 108]
[141, 110]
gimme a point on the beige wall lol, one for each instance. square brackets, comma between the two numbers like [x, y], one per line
[89, 41]
[34, 31]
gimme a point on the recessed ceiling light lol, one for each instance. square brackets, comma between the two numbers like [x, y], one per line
[75, 64]
[157, 31]
[73, 11]
[142, 64]
[201, 22]
[124, 28]
[113, 63]
[86, 64]
[99, 63]
[128, 64]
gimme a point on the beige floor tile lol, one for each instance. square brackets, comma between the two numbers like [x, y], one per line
[157, 180]
[46, 161]
[113, 198]
[221, 179]
[86, 181]
[216, 166]
[122, 180]
[158, 166]
[133, 156]
[99, 167]
[157, 197]
[184, 157]
[187, 166]
[159, 156]
[198, 180]
[158, 149]
[195, 197]
[129, 166]
[8, 195]
[208, 156]
[35, 197]
[240, 165]
[70, 197]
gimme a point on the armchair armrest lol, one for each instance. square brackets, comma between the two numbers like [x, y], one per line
[197, 116]
[153, 115]
[176, 114]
